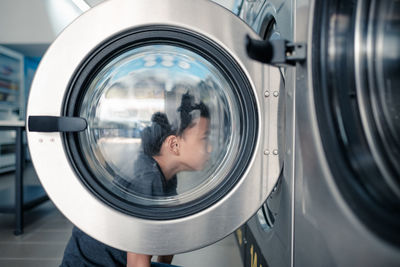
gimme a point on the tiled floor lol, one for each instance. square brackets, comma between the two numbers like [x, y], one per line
[47, 231]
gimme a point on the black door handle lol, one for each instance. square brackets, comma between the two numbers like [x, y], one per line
[56, 124]
[275, 52]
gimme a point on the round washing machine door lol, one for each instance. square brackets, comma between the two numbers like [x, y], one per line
[150, 128]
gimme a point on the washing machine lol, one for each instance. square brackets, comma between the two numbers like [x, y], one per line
[310, 134]
[337, 202]
[99, 87]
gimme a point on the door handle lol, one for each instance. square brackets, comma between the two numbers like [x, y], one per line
[48, 124]
[276, 52]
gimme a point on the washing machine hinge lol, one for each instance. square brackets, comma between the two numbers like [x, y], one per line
[276, 52]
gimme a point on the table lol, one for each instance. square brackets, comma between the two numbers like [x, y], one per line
[26, 197]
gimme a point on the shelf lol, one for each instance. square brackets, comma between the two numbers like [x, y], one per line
[12, 124]
[8, 106]
[9, 141]
[7, 169]
[9, 91]
[6, 161]
[12, 81]
[8, 78]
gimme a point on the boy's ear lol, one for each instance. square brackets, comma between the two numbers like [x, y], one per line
[173, 144]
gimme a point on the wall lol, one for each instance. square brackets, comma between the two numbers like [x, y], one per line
[30, 26]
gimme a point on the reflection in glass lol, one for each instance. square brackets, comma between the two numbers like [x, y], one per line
[132, 97]
[168, 149]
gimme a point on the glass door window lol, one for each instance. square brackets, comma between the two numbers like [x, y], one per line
[140, 101]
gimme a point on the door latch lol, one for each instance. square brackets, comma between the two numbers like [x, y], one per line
[276, 52]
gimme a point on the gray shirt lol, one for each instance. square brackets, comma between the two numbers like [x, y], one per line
[147, 179]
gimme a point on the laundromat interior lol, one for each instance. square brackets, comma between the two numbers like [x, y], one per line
[240, 133]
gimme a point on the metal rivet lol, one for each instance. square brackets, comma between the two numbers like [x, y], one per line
[266, 94]
[266, 152]
[40, 140]
[276, 93]
[52, 140]
[275, 152]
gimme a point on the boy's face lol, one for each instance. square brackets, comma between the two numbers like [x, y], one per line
[194, 145]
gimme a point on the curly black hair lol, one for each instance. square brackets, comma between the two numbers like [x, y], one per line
[186, 108]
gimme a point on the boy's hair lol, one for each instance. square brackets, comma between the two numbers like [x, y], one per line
[154, 135]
